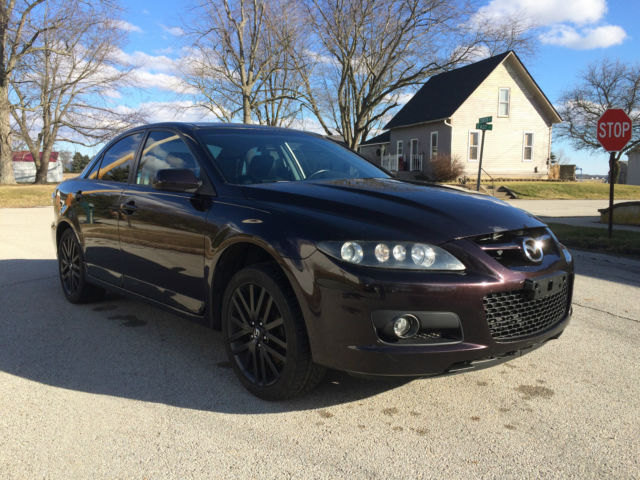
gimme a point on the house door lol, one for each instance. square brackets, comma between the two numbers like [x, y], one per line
[413, 154]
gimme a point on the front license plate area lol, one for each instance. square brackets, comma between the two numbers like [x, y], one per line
[545, 286]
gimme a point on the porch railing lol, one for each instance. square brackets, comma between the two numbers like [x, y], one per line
[416, 162]
[390, 162]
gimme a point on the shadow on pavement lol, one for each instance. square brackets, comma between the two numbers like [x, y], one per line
[124, 348]
[607, 267]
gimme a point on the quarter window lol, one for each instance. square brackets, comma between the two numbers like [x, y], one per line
[503, 102]
[164, 150]
[474, 145]
[527, 147]
[117, 161]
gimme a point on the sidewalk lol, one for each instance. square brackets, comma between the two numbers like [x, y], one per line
[579, 213]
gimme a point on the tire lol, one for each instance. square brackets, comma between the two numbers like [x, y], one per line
[265, 336]
[72, 271]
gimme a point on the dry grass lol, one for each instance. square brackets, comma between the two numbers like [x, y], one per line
[12, 196]
[623, 242]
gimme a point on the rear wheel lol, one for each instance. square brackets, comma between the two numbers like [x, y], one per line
[265, 336]
[71, 269]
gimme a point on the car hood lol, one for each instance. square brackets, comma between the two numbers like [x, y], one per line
[389, 209]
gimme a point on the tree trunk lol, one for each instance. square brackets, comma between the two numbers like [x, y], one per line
[43, 169]
[6, 159]
[246, 109]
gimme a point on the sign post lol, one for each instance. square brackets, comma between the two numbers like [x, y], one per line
[614, 131]
[483, 124]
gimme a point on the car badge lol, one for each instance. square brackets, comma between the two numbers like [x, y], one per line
[532, 249]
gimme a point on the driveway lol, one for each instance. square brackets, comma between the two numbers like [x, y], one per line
[119, 389]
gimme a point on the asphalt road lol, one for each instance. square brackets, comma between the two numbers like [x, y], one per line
[118, 389]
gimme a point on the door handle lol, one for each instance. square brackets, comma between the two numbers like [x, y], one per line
[128, 207]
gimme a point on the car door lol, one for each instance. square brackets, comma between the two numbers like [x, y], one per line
[98, 208]
[162, 232]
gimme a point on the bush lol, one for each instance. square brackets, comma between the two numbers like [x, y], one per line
[444, 168]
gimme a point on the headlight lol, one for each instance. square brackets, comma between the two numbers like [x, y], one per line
[404, 255]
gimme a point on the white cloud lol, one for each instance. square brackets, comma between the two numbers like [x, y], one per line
[175, 31]
[585, 39]
[545, 12]
[128, 27]
[161, 81]
[576, 24]
[138, 59]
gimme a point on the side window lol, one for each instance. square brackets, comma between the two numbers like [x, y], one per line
[92, 170]
[164, 150]
[117, 161]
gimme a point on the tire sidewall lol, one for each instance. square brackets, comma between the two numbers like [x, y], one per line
[284, 385]
[77, 296]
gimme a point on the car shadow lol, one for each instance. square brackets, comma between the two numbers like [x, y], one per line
[125, 348]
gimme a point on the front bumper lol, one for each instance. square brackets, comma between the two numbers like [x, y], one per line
[338, 302]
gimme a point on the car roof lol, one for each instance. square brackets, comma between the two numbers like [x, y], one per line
[226, 126]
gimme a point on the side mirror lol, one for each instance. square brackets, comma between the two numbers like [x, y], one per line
[176, 180]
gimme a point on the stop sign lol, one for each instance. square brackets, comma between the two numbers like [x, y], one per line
[614, 129]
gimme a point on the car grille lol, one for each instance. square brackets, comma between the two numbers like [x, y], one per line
[513, 315]
[506, 247]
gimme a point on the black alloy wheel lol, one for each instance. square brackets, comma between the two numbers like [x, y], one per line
[256, 334]
[71, 269]
[265, 336]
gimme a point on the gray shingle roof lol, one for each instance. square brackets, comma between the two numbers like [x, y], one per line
[382, 138]
[441, 96]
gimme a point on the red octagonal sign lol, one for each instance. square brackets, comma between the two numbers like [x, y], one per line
[614, 129]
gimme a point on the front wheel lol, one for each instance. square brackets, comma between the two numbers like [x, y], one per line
[265, 336]
[71, 269]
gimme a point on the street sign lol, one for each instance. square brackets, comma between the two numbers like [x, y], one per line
[613, 132]
[485, 120]
[484, 126]
[614, 129]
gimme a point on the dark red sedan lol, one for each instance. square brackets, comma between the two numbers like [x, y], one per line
[308, 256]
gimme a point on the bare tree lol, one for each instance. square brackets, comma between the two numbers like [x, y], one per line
[372, 51]
[604, 84]
[18, 36]
[239, 64]
[61, 90]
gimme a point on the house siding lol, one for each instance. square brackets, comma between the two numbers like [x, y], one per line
[503, 147]
[423, 134]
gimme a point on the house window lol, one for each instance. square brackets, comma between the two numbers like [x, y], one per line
[383, 149]
[527, 147]
[503, 102]
[434, 145]
[474, 145]
[399, 148]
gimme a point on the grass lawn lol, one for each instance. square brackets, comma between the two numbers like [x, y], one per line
[624, 242]
[571, 190]
[25, 195]
[28, 195]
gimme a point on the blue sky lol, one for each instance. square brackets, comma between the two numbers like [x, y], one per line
[572, 34]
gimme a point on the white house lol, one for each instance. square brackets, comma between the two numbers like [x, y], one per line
[441, 119]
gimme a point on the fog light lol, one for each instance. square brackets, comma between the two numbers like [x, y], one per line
[405, 326]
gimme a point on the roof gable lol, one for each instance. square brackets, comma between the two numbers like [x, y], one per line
[443, 94]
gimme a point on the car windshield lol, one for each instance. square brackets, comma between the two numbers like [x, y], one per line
[250, 156]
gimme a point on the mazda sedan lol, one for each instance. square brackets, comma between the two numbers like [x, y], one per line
[307, 256]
